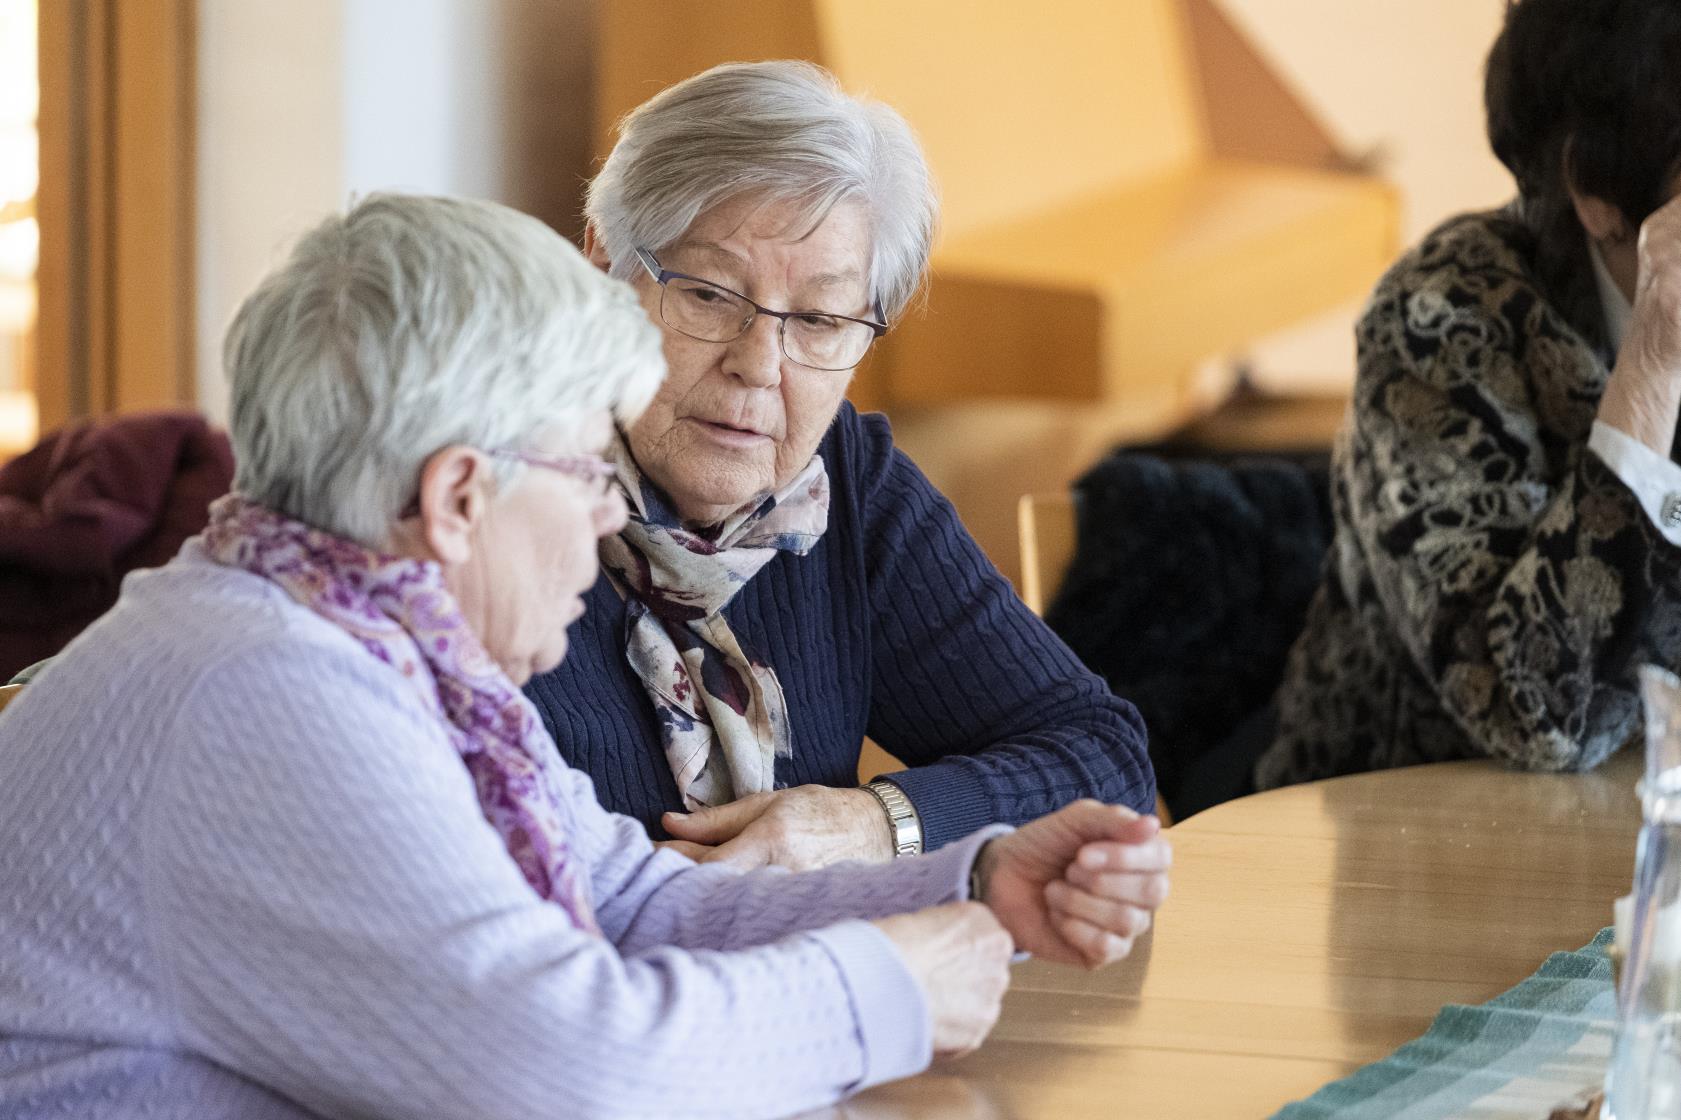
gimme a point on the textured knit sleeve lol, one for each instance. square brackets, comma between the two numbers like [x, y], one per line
[1521, 574]
[995, 716]
[338, 922]
[653, 896]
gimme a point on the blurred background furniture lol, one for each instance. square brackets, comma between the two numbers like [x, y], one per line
[1128, 189]
[1183, 583]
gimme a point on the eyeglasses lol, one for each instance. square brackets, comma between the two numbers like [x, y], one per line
[711, 312]
[591, 469]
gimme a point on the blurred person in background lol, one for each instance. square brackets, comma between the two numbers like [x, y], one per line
[1508, 509]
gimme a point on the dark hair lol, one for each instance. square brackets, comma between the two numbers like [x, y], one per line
[1595, 86]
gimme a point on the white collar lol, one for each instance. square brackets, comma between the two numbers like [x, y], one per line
[1612, 302]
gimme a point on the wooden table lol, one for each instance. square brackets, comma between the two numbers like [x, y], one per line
[1311, 930]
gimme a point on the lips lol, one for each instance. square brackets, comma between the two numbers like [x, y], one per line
[725, 425]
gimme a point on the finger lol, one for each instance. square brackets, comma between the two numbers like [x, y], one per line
[1147, 889]
[1105, 913]
[1097, 946]
[1094, 820]
[745, 853]
[696, 852]
[718, 823]
[1154, 854]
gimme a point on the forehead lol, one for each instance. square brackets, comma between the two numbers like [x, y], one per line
[746, 238]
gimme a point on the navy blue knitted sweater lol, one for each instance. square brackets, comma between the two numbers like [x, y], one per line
[894, 626]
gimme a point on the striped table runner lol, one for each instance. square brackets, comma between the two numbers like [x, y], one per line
[1516, 1057]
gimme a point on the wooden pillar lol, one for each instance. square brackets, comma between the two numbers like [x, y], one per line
[115, 207]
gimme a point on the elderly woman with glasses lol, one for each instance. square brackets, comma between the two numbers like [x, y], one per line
[283, 839]
[788, 582]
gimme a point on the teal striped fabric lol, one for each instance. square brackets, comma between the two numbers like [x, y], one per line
[1517, 1056]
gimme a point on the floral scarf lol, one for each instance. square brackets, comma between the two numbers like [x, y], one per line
[721, 714]
[401, 612]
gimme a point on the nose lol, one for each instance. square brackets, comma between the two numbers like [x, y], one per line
[755, 359]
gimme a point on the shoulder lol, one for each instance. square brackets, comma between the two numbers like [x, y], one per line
[868, 470]
[1465, 313]
[186, 637]
[858, 446]
[1472, 281]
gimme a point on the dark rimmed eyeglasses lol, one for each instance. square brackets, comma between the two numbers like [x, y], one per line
[711, 312]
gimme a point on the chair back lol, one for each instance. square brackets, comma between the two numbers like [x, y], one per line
[8, 693]
[1046, 529]
[1048, 526]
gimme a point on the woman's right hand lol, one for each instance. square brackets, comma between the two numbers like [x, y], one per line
[960, 957]
[1644, 393]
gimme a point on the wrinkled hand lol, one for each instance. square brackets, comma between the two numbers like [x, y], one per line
[799, 828]
[1080, 885]
[960, 957]
[1642, 395]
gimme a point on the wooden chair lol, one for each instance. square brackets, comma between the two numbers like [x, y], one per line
[1048, 525]
[8, 693]
[1128, 187]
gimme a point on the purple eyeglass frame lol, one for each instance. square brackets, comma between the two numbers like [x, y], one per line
[589, 468]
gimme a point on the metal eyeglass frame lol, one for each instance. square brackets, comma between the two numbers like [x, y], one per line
[661, 274]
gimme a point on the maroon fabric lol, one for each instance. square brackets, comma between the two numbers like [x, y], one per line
[90, 502]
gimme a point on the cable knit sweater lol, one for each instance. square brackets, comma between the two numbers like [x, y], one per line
[894, 626]
[244, 874]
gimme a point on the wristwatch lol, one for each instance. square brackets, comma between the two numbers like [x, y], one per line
[902, 820]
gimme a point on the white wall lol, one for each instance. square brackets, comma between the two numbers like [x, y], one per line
[305, 103]
[1403, 79]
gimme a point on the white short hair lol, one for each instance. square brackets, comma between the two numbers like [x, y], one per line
[782, 130]
[410, 324]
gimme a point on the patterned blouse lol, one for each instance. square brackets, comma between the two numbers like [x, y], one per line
[1492, 585]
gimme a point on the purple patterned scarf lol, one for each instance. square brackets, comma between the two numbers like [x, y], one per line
[401, 612]
[721, 714]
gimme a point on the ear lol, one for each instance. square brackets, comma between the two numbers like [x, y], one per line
[593, 250]
[455, 489]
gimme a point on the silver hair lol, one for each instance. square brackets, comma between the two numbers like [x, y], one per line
[782, 130]
[410, 324]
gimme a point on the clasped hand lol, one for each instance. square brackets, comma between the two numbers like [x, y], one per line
[1078, 887]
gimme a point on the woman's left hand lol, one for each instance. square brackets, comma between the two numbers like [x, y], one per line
[1080, 885]
[799, 828]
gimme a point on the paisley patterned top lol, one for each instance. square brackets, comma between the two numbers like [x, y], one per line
[1492, 585]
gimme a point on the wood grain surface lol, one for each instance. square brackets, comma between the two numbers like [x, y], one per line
[1311, 930]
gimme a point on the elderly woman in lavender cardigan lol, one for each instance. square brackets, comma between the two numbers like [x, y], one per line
[282, 837]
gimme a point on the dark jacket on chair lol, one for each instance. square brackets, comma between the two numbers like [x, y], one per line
[89, 503]
[1189, 582]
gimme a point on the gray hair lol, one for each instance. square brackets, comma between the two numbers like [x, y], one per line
[782, 130]
[410, 324]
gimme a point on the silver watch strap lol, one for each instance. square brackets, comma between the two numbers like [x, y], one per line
[902, 821]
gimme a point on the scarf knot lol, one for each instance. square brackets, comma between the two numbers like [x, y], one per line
[721, 713]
